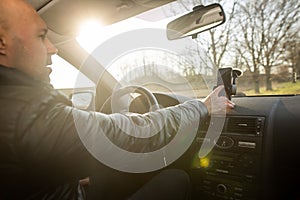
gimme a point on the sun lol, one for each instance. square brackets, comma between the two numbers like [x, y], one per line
[90, 34]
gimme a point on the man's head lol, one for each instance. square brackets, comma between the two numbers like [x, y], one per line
[23, 41]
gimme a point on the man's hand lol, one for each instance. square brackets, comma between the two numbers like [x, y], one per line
[217, 104]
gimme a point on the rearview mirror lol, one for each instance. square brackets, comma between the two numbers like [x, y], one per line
[202, 18]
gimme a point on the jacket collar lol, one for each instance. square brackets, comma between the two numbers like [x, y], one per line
[12, 76]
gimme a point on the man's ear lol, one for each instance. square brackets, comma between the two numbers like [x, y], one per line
[2, 44]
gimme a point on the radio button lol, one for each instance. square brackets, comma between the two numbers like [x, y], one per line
[238, 194]
[250, 145]
[249, 178]
[224, 142]
[238, 189]
[223, 171]
[246, 160]
[207, 188]
[221, 188]
[206, 182]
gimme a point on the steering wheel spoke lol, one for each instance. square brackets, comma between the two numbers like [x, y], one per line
[122, 98]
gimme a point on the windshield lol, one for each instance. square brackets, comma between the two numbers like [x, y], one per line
[259, 37]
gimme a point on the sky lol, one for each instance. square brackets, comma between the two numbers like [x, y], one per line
[64, 75]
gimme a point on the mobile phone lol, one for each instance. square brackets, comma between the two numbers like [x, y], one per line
[224, 77]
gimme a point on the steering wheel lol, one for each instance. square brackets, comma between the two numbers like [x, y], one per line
[122, 97]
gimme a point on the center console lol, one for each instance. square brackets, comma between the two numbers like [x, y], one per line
[232, 169]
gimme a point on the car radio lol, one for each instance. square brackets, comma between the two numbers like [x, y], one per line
[231, 170]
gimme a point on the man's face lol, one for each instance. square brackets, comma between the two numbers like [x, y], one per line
[29, 49]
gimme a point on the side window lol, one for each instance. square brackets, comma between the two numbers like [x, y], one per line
[65, 77]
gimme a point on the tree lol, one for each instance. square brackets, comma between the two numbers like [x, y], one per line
[218, 40]
[292, 56]
[264, 27]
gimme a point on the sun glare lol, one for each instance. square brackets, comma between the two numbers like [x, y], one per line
[89, 35]
[93, 33]
[73, 79]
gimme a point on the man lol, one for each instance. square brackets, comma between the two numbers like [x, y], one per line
[42, 156]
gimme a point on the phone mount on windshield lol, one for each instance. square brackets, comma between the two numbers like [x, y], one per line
[227, 77]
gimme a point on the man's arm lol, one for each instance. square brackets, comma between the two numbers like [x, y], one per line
[61, 138]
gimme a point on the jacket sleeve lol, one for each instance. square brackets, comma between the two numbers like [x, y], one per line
[59, 138]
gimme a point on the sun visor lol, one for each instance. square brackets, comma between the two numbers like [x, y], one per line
[66, 16]
[38, 4]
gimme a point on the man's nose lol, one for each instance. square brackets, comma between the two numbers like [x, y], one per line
[51, 49]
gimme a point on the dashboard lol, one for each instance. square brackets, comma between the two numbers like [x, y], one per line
[256, 155]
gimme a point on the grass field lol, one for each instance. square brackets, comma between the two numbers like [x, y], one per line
[278, 89]
[286, 88]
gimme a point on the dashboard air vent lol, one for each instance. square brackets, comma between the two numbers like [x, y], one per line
[246, 125]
